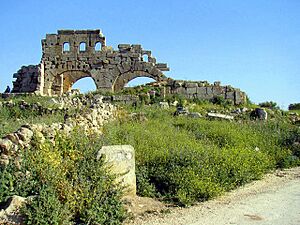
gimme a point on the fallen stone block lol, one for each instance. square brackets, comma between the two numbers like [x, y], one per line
[220, 116]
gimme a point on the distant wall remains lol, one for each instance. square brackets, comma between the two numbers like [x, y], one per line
[204, 91]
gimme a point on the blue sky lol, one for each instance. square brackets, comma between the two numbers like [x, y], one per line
[250, 44]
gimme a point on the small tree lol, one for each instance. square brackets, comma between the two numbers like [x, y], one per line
[270, 105]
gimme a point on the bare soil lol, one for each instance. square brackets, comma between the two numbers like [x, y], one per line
[274, 200]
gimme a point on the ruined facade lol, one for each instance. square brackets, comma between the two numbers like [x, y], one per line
[71, 55]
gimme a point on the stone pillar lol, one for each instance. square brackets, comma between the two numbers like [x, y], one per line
[61, 84]
[121, 161]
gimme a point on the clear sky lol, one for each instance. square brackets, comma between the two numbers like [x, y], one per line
[253, 45]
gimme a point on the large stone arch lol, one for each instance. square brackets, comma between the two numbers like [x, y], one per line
[64, 81]
[124, 78]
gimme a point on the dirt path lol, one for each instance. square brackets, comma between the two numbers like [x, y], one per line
[274, 200]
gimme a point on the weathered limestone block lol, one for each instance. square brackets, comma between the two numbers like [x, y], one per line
[10, 213]
[121, 161]
[220, 116]
[5, 145]
[191, 91]
[239, 97]
[25, 134]
[164, 105]
[230, 95]
[191, 85]
[217, 90]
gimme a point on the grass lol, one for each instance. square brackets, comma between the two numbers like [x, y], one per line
[178, 159]
[186, 160]
[11, 118]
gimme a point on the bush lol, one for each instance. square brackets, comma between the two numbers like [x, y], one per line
[295, 106]
[270, 105]
[46, 209]
[70, 184]
[220, 100]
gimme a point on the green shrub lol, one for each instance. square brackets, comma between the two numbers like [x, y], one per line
[295, 106]
[270, 105]
[70, 184]
[187, 160]
[46, 208]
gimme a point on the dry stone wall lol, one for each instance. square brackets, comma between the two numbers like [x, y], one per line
[91, 121]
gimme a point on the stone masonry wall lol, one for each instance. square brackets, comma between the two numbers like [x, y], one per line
[71, 55]
[204, 91]
[27, 79]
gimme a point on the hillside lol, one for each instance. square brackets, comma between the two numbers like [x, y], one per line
[49, 148]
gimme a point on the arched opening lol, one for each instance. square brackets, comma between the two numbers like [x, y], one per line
[71, 79]
[125, 79]
[98, 47]
[82, 47]
[138, 81]
[86, 84]
[66, 47]
[145, 58]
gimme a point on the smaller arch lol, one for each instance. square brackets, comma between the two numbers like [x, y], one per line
[84, 84]
[66, 47]
[121, 80]
[98, 46]
[82, 47]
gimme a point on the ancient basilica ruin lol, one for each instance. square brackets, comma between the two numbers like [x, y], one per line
[71, 55]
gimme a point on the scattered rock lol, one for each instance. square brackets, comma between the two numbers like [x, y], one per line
[4, 160]
[180, 111]
[194, 115]
[25, 134]
[219, 116]
[5, 145]
[9, 213]
[141, 117]
[259, 113]
[164, 105]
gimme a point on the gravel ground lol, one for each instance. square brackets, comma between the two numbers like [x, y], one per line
[274, 200]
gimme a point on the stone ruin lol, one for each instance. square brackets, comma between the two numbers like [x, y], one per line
[205, 91]
[71, 55]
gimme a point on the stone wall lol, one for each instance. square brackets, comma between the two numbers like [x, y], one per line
[202, 90]
[27, 79]
[90, 120]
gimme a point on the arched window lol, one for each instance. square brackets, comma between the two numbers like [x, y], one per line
[145, 58]
[66, 47]
[82, 47]
[98, 47]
